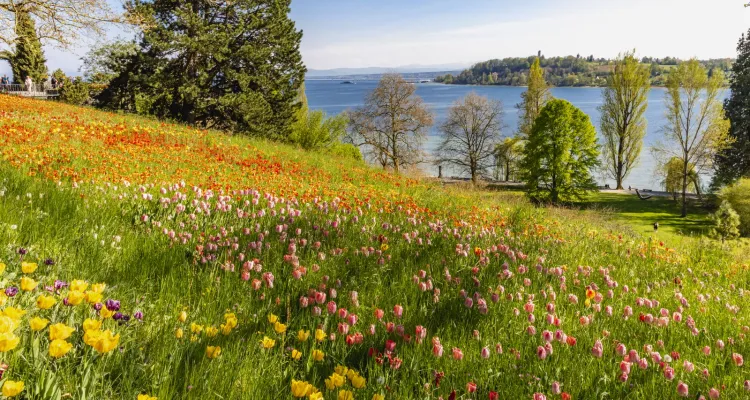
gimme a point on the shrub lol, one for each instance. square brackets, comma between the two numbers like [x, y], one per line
[347, 150]
[75, 92]
[738, 197]
[726, 222]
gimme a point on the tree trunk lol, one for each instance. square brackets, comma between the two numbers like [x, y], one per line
[684, 190]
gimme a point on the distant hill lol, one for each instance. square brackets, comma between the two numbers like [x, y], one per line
[564, 71]
[406, 69]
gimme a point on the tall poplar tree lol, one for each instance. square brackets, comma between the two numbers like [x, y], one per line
[533, 99]
[623, 121]
[734, 161]
[27, 57]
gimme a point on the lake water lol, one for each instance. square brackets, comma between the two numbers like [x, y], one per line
[333, 97]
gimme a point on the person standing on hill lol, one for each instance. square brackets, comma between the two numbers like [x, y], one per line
[29, 84]
[4, 81]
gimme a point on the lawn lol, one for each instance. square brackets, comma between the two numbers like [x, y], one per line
[142, 258]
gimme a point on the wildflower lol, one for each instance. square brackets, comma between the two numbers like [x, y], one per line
[346, 395]
[267, 342]
[12, 388]
[8, 341]
[37, 324]
[59, 347]
[182, 317]
[279, 327]
[272, 319]
[28, 284]
[303, 335]
[296, 354]
[179, 333]
[28, 267]
[45, 302]
[213, 351]
[334, 381]
[75, 297]
[320, 335]
[318, 355]
[60, 331]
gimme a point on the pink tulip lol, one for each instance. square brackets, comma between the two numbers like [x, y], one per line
[689, 367]
[331, 307]
[738, 360]
[379, 314]
[598, 349]
[457, 354]
[485, 352]
[713, 393]
[643, 363]
[669, 373]
[624, 377]
[437, 350]
[707, 350]
[398, 311]
[539, 396]
[747, 385]
[621, 350]
[555, 389]
[682, 389]
[625, 367]
[541, 352]
[531, 330]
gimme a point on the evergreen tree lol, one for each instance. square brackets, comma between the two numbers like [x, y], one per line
[734, 161]
[533, 99]
[226, 65]
[27, 57]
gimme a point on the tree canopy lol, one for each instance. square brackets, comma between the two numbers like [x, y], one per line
[27, 57]
[533, 99]
[560, 153]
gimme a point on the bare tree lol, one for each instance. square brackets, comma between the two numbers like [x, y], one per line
[58, 22]
[392, 124]
[696, 128]
[470, 134]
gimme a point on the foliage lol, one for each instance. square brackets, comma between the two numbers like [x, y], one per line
[231, 246]
[508, 155]
[623, 121]
[106, 61]
[696, 128]
[671, 172]
[203, 62]
[565, 71]
[733, 162]
[313, 130]
[392, 124]
[726, 222]
[560, 152]
[737, 196]
[346, 150]
[533, 99]
[60, 76]
[75, 92]
[470, 133]
[27, 57]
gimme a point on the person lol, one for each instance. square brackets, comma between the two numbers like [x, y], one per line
[54, 83]
[4, 82]
[29, 84]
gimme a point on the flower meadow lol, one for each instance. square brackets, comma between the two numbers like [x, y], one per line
[145, 260]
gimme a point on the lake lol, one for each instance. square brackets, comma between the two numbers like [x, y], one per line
[333, 97]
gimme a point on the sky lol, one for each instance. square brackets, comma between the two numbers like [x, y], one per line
[394, 33]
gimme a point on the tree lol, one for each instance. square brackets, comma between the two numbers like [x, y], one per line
[671, 173]
[734, 161]
[312, 130]
[60, 22]
[469, 134]
[533, 99]
[104, 62]
[392, 124]
[623, 121]
[27, 57]
[696, 128]
[508, 156]
[726, 222]
[234, 65]
[738, 196]
[560, 152]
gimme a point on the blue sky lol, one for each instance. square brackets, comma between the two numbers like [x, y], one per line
[391, 33]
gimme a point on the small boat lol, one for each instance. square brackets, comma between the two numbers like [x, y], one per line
[425, 81]
[347, 83]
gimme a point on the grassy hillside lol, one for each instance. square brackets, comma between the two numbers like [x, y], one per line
[225, 253]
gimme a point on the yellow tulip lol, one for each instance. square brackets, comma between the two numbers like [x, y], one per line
[212, 331]
[195, 328]
[213, 351]
[267, 342]
[183, 316]
[378, 396]
[315, 396]
[320, 335]
[279, 327]
[105, 313]
[334, 381]
[45, 302]
[358, 382]
[318, 355]
[79, 285]
[12, 388]
[342, 370]
[8, 341]
[75, 297]
[37, 324]
[302, 335]
[7, 324]
[98, 287]
[59, 347]
[93, 297]
[272, 318]
[300, 388]
[60, 331]
[179, 333]
[13, 313]
[2, 268]
[145, 397]
[296, 354]
[28, 267]
[28, 284]
[225, 329]
[104, 342]
[346, 395]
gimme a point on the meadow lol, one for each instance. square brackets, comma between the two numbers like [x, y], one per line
[143, 259]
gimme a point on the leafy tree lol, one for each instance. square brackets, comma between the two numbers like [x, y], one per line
[726, 222]
[60, 21]
[560, 153]
[312, 130]
[105, 62]
[469, 134]
[623, 121]
[738, 196]
[75, 92]
[734, 161]
[27, 57]
[671, 172]
[392, 124]
[59, 75]
[508, 156]
[533, 99]
[226, 65]
[696, 128]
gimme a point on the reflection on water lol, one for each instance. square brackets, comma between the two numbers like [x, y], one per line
[333, 98]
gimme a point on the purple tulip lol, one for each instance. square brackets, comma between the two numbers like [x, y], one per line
[49, 262]
[11, 291]
[138, 315]
[98, 306]
[113, 305]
